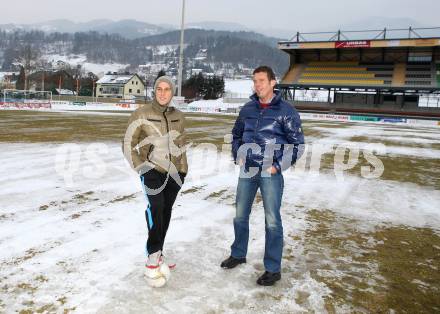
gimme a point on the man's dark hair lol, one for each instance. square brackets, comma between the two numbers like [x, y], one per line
[267, 70]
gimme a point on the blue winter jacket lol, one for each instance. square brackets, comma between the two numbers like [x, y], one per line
[278, 124]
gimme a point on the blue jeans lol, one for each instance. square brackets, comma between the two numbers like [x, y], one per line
[271, 188]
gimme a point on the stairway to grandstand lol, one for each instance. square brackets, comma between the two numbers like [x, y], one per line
[293, 74]
[399, 74]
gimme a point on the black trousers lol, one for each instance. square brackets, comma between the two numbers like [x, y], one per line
[161, 191]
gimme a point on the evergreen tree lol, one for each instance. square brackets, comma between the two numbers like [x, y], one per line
[161, 73]
[21, 78]
[199, 86]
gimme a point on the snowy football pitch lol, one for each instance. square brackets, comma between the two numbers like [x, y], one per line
[72, 226]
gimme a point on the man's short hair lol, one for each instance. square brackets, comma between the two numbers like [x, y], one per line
[266, 69]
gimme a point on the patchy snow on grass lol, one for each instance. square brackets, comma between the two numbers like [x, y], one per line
[73, 231]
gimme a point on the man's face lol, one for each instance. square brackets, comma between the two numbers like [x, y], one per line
[163, 93]
[263, 86]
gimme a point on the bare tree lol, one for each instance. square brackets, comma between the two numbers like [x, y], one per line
[29, 59]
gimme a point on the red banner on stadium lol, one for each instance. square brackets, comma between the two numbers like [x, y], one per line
[353, 44]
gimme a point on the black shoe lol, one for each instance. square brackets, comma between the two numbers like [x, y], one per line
[268, 278]
[231, 262]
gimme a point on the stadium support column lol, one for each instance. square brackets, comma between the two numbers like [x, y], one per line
[179, 82]
[377, 98]
[25, 81]
[94, 91]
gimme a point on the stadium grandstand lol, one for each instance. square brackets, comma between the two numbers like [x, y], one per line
[388, 72]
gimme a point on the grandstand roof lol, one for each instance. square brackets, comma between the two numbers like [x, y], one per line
[425, 42]
[415, 37]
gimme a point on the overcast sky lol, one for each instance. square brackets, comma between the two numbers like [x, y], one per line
[284, 14]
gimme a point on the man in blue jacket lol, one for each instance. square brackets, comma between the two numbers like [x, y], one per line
[267, 139]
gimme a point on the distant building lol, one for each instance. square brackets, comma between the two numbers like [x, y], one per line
[196, 71]
[65, 92]
[229, 72]
[202, 54]
[126, 86]
[8, 80]
[60, 64]
[152, 68]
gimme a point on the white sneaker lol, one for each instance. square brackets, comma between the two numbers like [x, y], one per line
[153, 260]
[171, 264]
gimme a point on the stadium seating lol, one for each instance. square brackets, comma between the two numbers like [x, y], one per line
[420, 74]
[335, 73]
[364, 74]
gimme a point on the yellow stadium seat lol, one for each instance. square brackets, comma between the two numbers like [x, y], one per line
[331, 69]
[342, 82]
[333, 63]
[338, 75]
